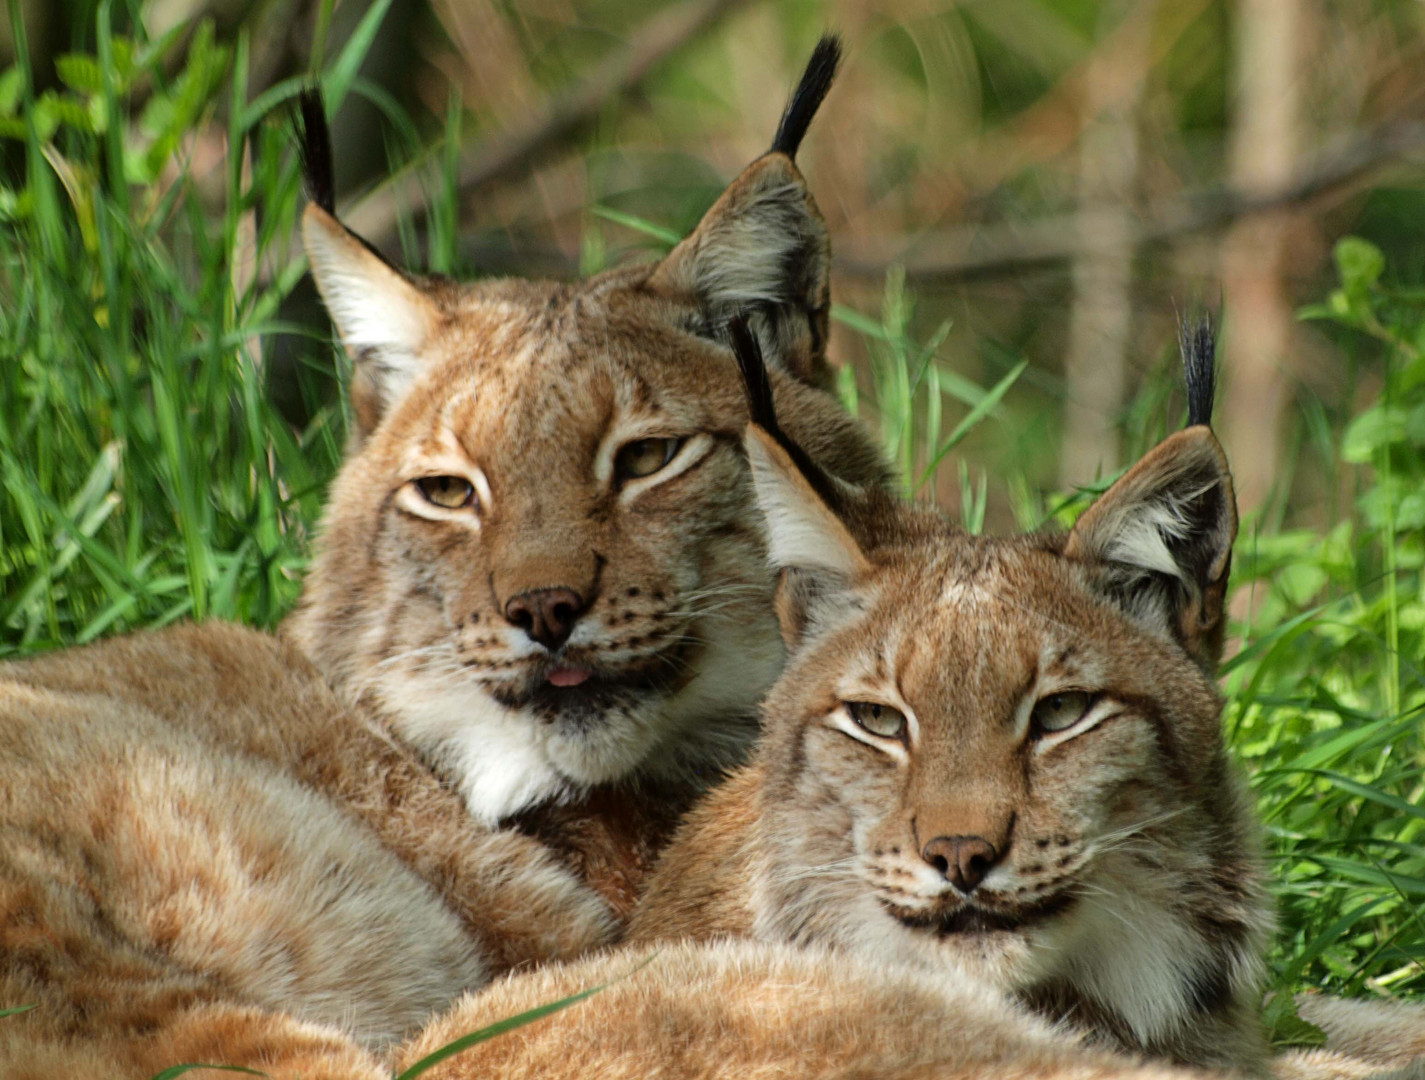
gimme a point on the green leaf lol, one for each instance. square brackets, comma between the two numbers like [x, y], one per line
[846, 390]
[79, 72]
[638, 224]
[972, 418]
[12, 85]
[862, 324]
[1381, 426]
[16, 1011]
[1285, 1026]
[338, 80]
[1360, 264]
[179, 1070]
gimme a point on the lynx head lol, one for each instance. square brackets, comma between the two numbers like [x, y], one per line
[1002, 756]
[541, 562]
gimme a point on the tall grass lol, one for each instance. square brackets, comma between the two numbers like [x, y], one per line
[147, 476]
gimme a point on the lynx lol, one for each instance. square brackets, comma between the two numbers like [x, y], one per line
[999, 758]
[540, 587]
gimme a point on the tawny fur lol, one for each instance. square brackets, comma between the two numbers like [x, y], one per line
[745, 1011]
[190, 820]
[1121, 892]
[1365, 1040]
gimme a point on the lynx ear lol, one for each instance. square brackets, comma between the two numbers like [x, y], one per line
[763, 248]
[814, 553]
[807, 542]
[1161, 540]
[382, 318]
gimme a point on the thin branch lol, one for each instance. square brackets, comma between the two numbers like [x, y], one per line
[995, 250]
[513, 151]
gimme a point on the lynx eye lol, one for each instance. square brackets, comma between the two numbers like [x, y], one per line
[1056, 712]
[644, 457]
[880, 720]
[447, 492]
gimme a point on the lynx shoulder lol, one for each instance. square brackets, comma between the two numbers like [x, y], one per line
[999, 758]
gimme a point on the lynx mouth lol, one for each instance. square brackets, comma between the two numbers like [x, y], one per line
[554, 697]
[972, 919]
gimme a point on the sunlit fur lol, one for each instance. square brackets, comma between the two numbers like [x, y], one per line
[1125, 896]
[205, 857]
[738, 1010]
[1365, 1040]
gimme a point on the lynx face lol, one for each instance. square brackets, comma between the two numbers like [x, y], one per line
[1001, 757]
[542, 562]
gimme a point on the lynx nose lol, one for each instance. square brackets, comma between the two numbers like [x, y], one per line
[964, 860]
[546, 615]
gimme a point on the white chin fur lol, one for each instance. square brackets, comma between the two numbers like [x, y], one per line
[1121, 948]
[498, 758]
[505, 760]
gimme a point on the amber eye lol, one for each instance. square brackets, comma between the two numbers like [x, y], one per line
[880, 720]
[447, 492]
[1056, 712]
[644, 457]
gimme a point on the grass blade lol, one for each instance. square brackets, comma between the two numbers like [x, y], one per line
[450, 1049]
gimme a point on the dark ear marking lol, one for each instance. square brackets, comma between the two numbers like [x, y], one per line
[808, 96]
[760, 406]
[763, 410]
[315, 147]
[1198, 347]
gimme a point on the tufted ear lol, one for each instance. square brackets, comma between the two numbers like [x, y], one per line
[383, 319]
[763, 249]
[808, 544]
[381, 316]
[1160, 541]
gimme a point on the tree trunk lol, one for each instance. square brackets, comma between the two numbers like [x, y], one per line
[1258, 308]
[1095, 367]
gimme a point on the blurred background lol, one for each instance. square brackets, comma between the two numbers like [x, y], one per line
[1059, 179]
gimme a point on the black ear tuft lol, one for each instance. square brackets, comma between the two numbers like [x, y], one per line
[316, 149]
[808, 96]
[763, 410]
[1199, 352]
[760, 406]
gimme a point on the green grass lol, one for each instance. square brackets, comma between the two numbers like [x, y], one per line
[146, 474]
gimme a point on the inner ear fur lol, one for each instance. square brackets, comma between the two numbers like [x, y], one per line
[763, 251]
[1161, 541]
[809, 546]
[382, 317]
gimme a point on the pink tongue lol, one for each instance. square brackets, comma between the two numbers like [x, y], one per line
[567, 676]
